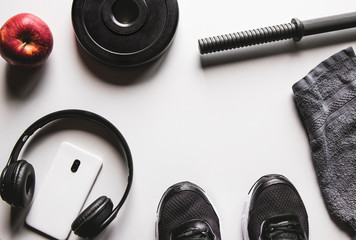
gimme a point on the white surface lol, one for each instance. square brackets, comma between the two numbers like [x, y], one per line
[220, 121]
[63, 193]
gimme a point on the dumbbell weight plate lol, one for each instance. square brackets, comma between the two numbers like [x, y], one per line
[125, 33]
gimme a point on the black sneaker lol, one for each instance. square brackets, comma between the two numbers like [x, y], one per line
[274, 211]
[185, 213]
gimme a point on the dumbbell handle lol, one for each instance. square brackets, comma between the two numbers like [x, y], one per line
[296, 29]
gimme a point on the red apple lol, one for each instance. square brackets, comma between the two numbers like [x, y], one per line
[25, 40]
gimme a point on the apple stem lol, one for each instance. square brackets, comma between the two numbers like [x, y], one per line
[23, 44]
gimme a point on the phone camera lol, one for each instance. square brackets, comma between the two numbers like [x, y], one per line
[75, 165]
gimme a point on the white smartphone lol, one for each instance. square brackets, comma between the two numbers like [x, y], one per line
[64, 191]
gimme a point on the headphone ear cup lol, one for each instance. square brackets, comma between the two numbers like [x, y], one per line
[89, 223]
[18, 183]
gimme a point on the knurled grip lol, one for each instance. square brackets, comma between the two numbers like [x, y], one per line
[248, 38]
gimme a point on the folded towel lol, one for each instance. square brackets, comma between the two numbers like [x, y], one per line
[326, 100]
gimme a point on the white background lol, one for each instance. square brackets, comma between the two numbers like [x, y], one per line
[220, 121]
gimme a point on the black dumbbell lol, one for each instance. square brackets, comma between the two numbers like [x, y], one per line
[296, 29]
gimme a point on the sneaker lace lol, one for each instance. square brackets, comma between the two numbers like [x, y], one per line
[194, 234]
[290, 230]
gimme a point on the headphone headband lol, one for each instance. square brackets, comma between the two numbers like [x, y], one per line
[90, 116]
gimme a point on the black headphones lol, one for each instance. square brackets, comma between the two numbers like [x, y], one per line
[18, 177]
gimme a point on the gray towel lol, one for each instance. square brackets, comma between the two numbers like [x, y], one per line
[326, 100]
